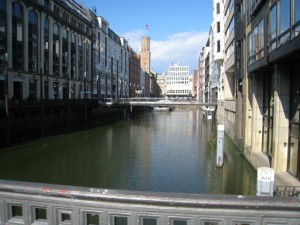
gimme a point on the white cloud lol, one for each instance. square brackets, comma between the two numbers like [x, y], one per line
[180, 48]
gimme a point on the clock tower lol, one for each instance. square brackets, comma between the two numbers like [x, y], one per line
[145, 54]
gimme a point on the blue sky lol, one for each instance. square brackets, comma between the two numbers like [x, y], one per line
[178, 29]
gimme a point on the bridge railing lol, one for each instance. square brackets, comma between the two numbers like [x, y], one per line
[41, 204]
[156, 101]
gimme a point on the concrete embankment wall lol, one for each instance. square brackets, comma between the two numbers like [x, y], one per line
[28, 122]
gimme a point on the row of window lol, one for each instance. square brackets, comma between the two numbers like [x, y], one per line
[230, 29]
[72, 61]
[282, 17]
[179, 68]
[51, 90]
[229, 8]
[178, 91]
[177, 82]
[256, 43]
[177, 78]
[67, 17]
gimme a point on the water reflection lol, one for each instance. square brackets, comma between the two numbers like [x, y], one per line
[156, 152]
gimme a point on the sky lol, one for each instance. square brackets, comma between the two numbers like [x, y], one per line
[178, 30]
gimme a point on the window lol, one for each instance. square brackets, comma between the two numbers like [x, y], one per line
[229, 8]
[255, 40]
[80, 58]
[297, 15]
[55, 90]
[87, 50]
[17, 36]
[46, 45]
[285, 16]
[73, 55]
[56, 47]
[261, 37]
[284, 21]
[297, 11]
[65, 50]
[32, 41]
[273, 27]
[47, 4]
[230, 29]
[218, 27]
[218, 8]
[250, 48]
[218, 46]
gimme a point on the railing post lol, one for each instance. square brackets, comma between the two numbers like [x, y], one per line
[220, 146]
[209, 124]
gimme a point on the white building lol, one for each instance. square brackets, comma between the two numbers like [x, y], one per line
[217, 52]
[177, 80]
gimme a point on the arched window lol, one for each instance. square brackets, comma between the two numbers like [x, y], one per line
[56, 46]
[65, 49]
[46, 45]
[17, 36]
[32, 41]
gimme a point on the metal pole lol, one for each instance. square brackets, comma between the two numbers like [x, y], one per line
[97, 107]
[41, 101]
[85, 104]
[68, 99]
[7, 110]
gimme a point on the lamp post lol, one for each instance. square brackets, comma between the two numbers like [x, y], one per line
[41, 100]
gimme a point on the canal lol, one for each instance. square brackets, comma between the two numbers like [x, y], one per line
[157, 151]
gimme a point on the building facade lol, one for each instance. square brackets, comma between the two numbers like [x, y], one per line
[161, 82]
[261, 84]
[200, 84]
[134, 74]
[46, 50]
[272, 80]
[178, 81]
[232, 106]
[193, 83]
[217, 52]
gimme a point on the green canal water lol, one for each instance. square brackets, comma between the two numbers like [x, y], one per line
[157, 151]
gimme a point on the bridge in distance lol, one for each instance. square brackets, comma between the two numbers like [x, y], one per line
[156, 102]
